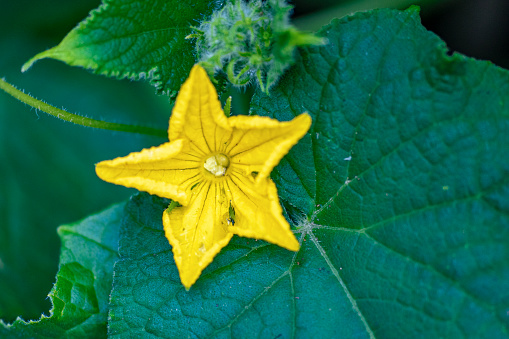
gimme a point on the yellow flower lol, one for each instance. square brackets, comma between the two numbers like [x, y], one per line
[218, 169]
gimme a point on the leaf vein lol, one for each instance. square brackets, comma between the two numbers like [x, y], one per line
[435, 270]
[355, 307]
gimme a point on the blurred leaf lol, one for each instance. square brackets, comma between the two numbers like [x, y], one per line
[46, 20]
[81, 293]
[324, 11]
[399, 197]
[47, 176]
[136, 39]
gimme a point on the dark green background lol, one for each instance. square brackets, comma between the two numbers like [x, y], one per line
[47, 175]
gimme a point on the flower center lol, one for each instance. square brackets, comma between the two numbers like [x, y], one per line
[217, 164]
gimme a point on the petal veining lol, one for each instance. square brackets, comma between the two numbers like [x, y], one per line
[197, 114]
[167, 171]
[199, 231]
[258, 213]
[263, 142]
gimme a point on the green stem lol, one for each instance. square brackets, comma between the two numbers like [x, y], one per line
[78, 119]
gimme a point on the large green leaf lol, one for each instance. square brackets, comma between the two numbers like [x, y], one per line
[398, 195]
[81, 294]
[135, 39]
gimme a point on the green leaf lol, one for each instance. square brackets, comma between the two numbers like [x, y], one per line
[81, 293]
[409, 147]
[399, 197]
[135, 39]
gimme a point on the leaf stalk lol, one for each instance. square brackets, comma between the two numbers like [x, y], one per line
[75, 118]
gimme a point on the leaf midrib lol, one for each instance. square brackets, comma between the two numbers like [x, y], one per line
[265, 291]
[335, 272]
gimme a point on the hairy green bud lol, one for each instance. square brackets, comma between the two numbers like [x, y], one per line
[250, 42]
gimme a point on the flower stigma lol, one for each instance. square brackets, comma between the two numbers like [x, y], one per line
[217, 164]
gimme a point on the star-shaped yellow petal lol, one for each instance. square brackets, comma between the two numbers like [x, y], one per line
[218, 169]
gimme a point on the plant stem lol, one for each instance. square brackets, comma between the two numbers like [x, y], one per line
[78, 119]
